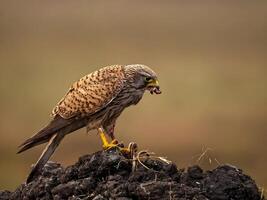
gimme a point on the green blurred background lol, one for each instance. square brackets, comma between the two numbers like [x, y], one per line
[211, 58]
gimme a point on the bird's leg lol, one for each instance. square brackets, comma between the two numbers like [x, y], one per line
[105, 143]
[113, 143]
[111, 134]
[103, 138]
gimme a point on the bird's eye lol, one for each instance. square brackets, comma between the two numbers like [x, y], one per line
[148, 79]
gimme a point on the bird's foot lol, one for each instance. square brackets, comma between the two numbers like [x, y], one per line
[130, 150]
[109, 145]
[115, 142]
[105, 143]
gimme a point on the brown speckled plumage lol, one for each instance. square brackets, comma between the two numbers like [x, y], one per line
[94, 101]
[91, 93]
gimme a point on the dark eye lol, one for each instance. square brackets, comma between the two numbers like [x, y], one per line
[148, 79]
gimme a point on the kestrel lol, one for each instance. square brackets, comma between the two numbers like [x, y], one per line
[95, 101]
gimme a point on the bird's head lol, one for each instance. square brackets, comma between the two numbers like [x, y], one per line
[143, 78]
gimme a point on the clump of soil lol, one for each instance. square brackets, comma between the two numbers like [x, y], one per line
[108, 175]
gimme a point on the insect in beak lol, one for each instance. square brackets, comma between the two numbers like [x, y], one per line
[154, 87]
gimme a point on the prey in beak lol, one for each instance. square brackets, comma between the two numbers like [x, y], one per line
[153, 87]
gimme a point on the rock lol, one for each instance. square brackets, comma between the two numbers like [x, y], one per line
[5, 195]
[108, 175]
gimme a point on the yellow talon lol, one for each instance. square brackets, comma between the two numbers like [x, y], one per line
[105, 143]
[114, 143]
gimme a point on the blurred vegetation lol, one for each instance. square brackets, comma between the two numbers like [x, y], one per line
[210, 57]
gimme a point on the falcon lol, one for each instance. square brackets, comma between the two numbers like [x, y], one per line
[95, 102]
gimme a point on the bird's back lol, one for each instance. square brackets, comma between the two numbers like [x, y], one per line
[91, 93]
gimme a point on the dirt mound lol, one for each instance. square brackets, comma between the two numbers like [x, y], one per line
[109, 175]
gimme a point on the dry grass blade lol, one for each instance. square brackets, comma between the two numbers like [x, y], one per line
[207, 155]
[262, 190]
[137, 157]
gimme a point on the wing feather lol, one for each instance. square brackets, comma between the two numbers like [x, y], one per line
[91, 93]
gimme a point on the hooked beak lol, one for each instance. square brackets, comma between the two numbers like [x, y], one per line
[153, 87]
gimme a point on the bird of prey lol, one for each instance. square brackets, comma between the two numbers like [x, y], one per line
[95, 102]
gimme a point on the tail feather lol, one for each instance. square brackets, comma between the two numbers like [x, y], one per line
[33, 144]
[45, 134]
[54, 132]
[46, 154]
